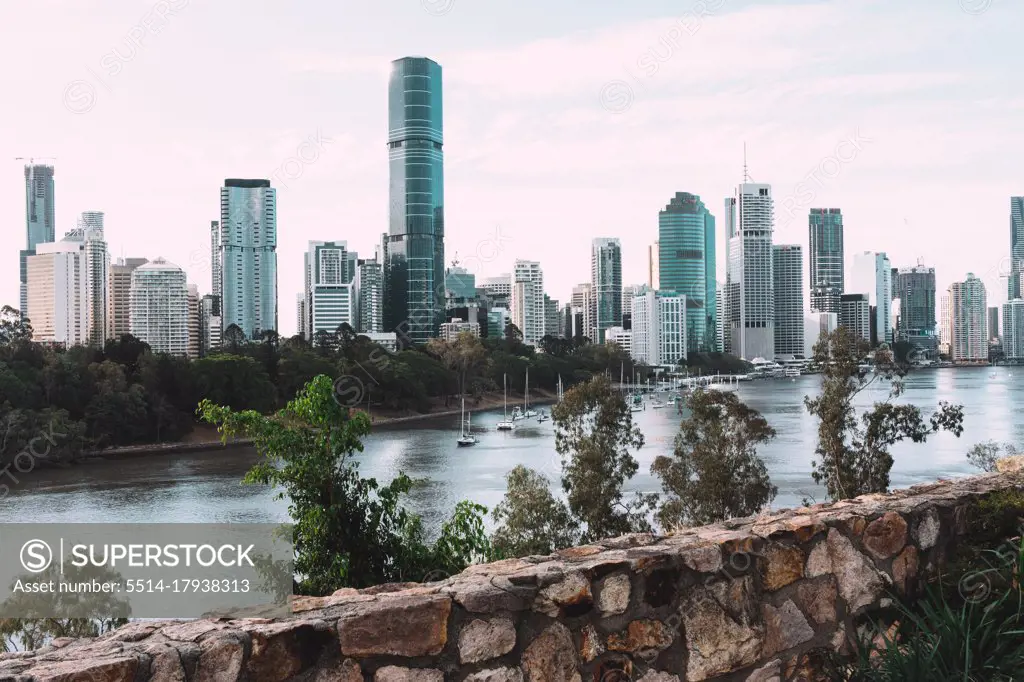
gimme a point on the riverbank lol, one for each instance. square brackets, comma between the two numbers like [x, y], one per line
[204, 437]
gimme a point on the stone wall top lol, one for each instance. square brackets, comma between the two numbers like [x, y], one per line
[759, 599]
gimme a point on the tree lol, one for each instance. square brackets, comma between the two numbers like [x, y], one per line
[233, 339]
[238, 382]
[593, 434]
[530, 520]
[348, 531]
[714, 473]
[985, 455]
[853, 456]
[13, 327]
[464, 357]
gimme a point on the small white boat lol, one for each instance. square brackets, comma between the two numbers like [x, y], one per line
[527, 412]
[467, 438]
[506, 424]
[657, 406]
[542, 417]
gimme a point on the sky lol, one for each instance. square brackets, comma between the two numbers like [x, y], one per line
[563, 121]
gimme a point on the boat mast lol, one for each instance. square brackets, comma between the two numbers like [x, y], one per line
[506, 395]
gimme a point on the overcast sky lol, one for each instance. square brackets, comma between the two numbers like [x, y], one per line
[564, 121]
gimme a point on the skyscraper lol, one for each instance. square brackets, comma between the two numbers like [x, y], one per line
[57, 282]
[1016, 248]
[606, 279]
[39, 218]
[826, 258]
[1013, 329]
[915, 287]
[658, 337]
[91, 219]
[788, 269]
[872, 275]
[247, 257]
[583, 300]
[216, 269]
[119, 296]
[993, 322]
[527, 301]
[195, 340]
[969, 318]
[369, 296]
[160, 307]
[686, 239]
[855, 315]
[653, 268]
[749, 279]
[415, 267]
[330, 275]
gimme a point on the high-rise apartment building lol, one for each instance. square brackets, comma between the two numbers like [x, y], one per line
[1013, 330]
[628, 292]
[160, 307]
[91, 220]
[583, 298]
[606, 279]
[749, 280]
[415, 268]
[826, 258]
[195, 340]
[720, 323]
[658, 336]
[370, 296]
[872, 275]
[623, 338]
[653, 267]
[788, 269]
[686, 240]
[969, 317]
[496, 289]
[855, 315]
[248, 256]
[119, 296]
[39, 219]
[330, 287]
[915, 287]
[209, 325]
[216, 267]
[97, 265]
[527, 301]
[552, 325]
[993, 323]
[945, 322]
[1016, 278]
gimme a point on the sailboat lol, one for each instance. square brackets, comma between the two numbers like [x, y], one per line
[506, 424]
[467, 437]
[560, 392]
[527, 412]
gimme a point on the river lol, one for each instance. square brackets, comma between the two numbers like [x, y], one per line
[205, 487]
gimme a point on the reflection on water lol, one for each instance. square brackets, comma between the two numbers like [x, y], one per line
[205, 487]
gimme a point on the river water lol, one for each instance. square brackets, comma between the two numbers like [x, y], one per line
[205, 487]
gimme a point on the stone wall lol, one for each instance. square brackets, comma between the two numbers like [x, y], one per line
[750, 600]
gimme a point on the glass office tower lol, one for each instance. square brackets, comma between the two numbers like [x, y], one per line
[686, 265]
[415, 271]
[247, 261]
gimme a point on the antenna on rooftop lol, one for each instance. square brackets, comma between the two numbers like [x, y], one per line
[746, 175]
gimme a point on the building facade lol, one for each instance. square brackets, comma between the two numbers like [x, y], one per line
[658, 337]
[527, 301]
[119, 296]
[855, 315]
[195, 336]
[583, 298]
[1016, 278]
[450, 330]
[552, 320]
[945, 323]
[623, 338]
[1013, 330]
[415, 270]
[160, 307]
[248, 256]
[915, 288]
[606, 280]
[96, 261]
[825, 226]
[788, 269]
[209, 325]
[653, 266]
[370, 294]
[686, 240]
[872, 275]
[969, 320]
[993, 323]
[57, 306]
[330, 273]
[40, 227]
[749, 278]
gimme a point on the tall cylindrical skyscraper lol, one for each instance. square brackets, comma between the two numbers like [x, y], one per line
[415, 271]
[39, 218]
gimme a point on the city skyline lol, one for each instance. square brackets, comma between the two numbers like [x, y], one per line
[492, 139]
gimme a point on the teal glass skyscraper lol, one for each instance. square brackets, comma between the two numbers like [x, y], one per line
[415, 291]
[248, 256]
[39, 222]
[686, 255]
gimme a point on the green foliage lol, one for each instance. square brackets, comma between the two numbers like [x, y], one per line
[976, 633]
[985, 455]
[530, 520]
[715, 363]
[715, 473]
[853, 455]
[348, 531]
[594, 432]
[235, 381]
